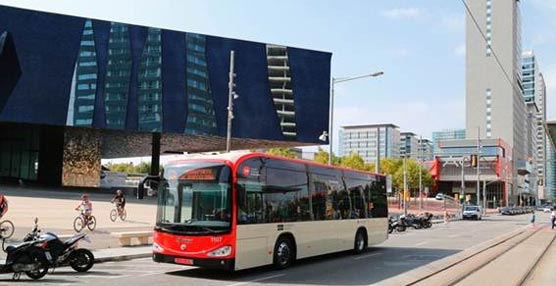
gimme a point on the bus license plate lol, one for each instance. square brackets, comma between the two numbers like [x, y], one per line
[184, 261]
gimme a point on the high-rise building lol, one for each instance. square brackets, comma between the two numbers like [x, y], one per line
[494, 100]
[149, 87]
[550, 179]
[118, 72]
[534, 95]
[201, 118]
[81, 106]
[409, 144]
[426, 150]
[370, 140]
[447, 134]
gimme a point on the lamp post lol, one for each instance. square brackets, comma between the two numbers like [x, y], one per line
[405, 186]
[231, 96]
[331, 109]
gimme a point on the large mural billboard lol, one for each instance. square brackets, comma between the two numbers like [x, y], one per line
[73, 71]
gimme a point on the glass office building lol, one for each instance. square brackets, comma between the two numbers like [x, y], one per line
[200, 108]
[82, 97]
[118, 73]
[149, 85]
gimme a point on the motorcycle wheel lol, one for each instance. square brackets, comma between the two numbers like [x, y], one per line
[390, 229]
[113, 215]
[92, 223]
[41, 267]
[6, 229]
[81, 260]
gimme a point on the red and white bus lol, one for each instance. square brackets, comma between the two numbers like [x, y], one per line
[237, 211]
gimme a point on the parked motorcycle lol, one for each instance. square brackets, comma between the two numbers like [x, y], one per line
[410, 220]
[64, 253]
[395, 224]
[425, 219]
[27, 257]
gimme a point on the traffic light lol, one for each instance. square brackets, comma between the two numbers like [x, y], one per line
[473, 160]
[406, 195]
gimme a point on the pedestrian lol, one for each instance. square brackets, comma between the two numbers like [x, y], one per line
[552, 218]
[533, 217]
[3, 205]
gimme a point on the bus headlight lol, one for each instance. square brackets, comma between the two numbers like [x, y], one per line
[222, 251]
[157, 248]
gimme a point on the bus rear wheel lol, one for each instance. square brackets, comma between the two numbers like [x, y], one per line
[284, 253]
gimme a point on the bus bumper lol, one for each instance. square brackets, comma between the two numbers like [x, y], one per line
[224, 264]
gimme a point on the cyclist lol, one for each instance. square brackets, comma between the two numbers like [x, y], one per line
[119, 199]
[3, 205]
[85, 206]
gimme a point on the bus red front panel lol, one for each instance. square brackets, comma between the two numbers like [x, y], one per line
[194, 246]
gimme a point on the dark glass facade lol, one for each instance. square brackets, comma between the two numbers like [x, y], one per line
[200, 106]
[19, 152]
[104, 75]
[149, 90]
[117, 76]
[84, 84]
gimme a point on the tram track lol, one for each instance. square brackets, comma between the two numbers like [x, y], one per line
[507, 260]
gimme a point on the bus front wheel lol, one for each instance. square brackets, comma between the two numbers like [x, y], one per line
[284, 253]
[360, 244]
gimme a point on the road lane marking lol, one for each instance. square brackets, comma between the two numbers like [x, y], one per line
[256, 280]
[421, 243]
[367, 256]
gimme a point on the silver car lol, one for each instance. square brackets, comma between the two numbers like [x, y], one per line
[472, 212]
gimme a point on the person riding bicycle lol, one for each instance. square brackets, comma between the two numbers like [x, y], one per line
[85, 206]
[119, 199]
[3, 205]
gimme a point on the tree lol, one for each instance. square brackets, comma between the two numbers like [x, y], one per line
[353, 161]
[322, 157]
[282, 152]
[394, 167]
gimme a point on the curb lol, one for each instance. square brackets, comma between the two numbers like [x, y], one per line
[122, 257]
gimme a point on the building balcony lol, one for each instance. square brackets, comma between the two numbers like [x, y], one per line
[281, 91]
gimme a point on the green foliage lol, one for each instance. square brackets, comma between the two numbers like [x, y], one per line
[353, 161]
[282, 152]
[141, 168]
[395, 167]
[322, 157]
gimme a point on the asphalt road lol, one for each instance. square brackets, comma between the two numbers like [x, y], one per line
[402, 252]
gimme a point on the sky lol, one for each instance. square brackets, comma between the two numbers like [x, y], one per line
[419, 45]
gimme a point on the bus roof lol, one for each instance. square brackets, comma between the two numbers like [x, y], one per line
[235, 157]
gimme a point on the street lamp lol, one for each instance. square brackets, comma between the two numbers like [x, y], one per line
[328, 134]
[231, 96]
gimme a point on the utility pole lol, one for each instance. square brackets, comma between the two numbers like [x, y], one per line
[405, 188]
[230, 103]
[479, 166]
[419, 158]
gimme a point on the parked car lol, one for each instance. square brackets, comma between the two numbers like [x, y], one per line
[439, 196]
[472, 212]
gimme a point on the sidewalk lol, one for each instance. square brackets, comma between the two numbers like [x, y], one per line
[55, 211]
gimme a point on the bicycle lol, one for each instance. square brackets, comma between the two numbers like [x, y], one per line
[81, 221]
[7, 229]
[116, 212]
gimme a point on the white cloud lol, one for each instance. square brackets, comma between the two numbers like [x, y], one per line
[460, 50]
[404, 13]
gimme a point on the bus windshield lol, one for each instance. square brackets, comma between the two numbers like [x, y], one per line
[195, 198]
